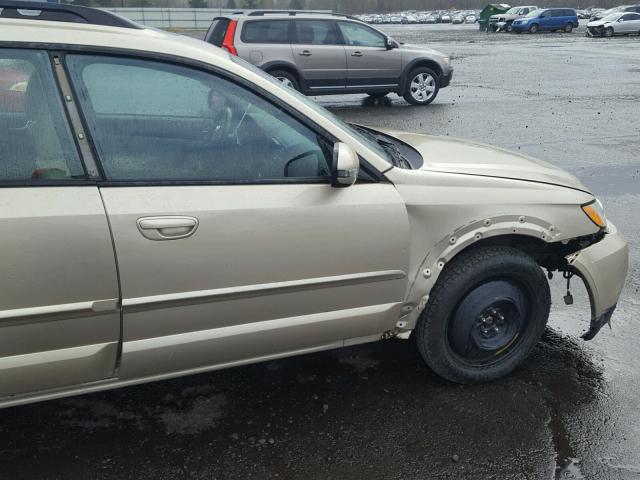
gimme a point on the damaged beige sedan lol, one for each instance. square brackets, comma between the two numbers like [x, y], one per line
[166, 209]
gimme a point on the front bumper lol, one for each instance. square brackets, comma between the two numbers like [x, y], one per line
[603, 269]
[445, 78]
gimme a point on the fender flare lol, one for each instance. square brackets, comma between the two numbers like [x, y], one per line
[418, 62]
[285, 66]
[460, 239]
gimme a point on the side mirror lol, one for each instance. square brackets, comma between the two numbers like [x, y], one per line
[391, 43]
[345, 165]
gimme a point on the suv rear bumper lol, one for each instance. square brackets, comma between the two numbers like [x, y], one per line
[603, 269]
[445, 78]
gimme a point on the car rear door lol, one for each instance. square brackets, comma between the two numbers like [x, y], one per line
[319, 54]
[59, 299]
[369, 62]
[264, 42]
[232, 245]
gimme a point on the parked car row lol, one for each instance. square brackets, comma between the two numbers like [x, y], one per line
[425, 17]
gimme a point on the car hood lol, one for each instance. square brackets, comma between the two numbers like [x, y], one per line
[597, 23]
[453, 155]
[420, 48]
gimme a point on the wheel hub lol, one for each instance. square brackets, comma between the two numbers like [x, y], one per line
[488, 321]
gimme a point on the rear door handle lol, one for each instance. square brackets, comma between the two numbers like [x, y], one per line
[357, 53]
[167, 228]
[305, 53]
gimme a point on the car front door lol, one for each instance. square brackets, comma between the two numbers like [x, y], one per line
[369, 62]
[59, 300]
[629, 23]
[232, 245]
[319, 54]
[546, 20]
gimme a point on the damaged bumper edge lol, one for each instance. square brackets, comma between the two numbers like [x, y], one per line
[603, 269]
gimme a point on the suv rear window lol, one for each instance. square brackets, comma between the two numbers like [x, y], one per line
[216, 32]
[266, 31]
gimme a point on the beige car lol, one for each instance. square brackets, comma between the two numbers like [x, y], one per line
[167, 209]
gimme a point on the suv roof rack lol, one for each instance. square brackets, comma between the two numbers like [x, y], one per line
[54, 12]
[292, 13]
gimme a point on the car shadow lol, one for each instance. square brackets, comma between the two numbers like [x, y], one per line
[374, 411]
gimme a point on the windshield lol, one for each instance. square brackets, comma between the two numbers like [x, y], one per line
[513, 11]
[533, 13]
[367, 140]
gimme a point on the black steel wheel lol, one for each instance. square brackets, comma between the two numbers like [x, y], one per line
[485, 314]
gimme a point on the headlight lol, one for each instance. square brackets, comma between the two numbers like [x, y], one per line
[445, 60]
[595, 212]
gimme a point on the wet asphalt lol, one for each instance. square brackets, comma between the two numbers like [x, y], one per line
[376, 411]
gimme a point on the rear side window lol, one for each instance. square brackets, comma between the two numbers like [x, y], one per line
[216, 32]
[316, 32]
[266, 31]
[36, 143]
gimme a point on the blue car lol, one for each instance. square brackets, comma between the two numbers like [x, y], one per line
[552, 19]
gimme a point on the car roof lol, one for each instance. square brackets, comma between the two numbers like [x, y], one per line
[304, 14]
[107, 37]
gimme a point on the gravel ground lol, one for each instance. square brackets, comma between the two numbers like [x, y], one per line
[377, 411]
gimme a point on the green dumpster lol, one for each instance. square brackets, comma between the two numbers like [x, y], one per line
[491, 9]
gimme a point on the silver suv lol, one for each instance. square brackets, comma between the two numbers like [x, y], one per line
[326, 54]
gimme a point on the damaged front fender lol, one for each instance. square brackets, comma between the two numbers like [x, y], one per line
[603, 269]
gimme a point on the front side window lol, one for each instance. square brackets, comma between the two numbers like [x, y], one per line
[266, 31]
[357, 35]
[35, 140]
[315, 32]
[152, 121]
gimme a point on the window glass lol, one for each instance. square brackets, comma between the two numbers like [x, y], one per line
[360, 35]
[35, 140]
[266, 31]
[216, 32]
[315, 32]
[168, 122]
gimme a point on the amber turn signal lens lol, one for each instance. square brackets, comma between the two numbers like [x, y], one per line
[594, 214]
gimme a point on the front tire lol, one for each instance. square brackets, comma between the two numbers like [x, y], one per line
[534, 28]
[286, 78]
[608, 32]
[422, 86]
[485, 314]
[509, 27]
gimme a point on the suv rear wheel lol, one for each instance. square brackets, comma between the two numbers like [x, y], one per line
[568, 27]
[422, 86]
[286, 78]
[485, 314]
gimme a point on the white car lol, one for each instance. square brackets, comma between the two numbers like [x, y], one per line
[619, 23]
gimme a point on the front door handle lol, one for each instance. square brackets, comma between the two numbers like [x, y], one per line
[167, 228]
[305, 53]
[357, 53]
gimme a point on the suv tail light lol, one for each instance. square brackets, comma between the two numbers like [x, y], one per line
[227, 41]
